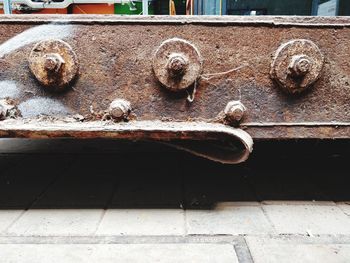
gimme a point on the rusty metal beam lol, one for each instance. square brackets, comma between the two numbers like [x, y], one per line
[274, 77]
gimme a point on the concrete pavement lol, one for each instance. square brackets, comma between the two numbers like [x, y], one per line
[93, 203]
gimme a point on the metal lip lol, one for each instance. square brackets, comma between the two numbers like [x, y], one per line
[214, 141]
[275, 21]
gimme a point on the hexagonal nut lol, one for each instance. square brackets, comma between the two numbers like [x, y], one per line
[53, 62]
[234, 111]
[300, 65]
[119, 109]
[177, 64]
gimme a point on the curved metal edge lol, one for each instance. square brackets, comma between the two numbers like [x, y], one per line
[214, 141]
[216, 152]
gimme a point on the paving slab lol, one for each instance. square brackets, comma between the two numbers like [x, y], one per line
[228, 218]
[57, 222]
[345, 207]
[149, 183]
[8, 161]
[136, 222]
[19, 192]
[24, 182]
[216, 184]
[281, 184]
[336, 184]
[7, 217]
[266, 250]
[308, 219]
[148, 191]
[105, 253]
[78, 191]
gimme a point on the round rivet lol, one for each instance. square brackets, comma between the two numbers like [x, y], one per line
[177, 64]
[53, 63]
[297, 65]
[119, 109]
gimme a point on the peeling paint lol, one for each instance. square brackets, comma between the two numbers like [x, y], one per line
[8, 89]
[42, 106]
[34, 34]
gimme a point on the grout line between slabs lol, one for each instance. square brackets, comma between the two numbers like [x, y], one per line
[236, 240]
[108, 203]
[243, 252]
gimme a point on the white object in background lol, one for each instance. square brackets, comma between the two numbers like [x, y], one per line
[145, 7]
[253, 13]
[329, 8]
[7, 7]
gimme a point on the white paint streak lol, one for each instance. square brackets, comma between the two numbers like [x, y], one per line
[34, 34]
[8, 89]
[42, 106]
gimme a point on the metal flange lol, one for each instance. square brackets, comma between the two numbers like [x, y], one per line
[53, 63]
[296, 65]
[177, 64]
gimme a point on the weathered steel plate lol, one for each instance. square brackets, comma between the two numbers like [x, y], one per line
[115, 57]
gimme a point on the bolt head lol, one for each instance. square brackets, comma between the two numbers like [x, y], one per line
[234, 111]
[119, 109]
[300, 65]
[53, 62]
[177, 65]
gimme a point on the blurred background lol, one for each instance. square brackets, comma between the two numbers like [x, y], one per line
[179, 7]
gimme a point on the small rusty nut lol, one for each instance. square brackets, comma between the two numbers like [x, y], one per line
[234, 111]
[119, 109]
[300, 65]
[177, 65]
[53, 62]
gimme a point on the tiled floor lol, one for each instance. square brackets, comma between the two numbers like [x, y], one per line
[64, 201]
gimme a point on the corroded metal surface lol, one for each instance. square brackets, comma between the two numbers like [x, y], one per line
[116, 61]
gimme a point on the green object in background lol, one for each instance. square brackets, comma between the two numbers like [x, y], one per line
[129, 9]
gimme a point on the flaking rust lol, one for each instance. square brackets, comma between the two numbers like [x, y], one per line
[136, 71]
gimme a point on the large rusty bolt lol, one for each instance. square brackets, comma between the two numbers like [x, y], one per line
[54, 64]
[119, 109]
[177, 64]
[234, 111]
[297, 65]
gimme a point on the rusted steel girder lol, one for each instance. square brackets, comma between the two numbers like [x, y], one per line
[273, 77]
